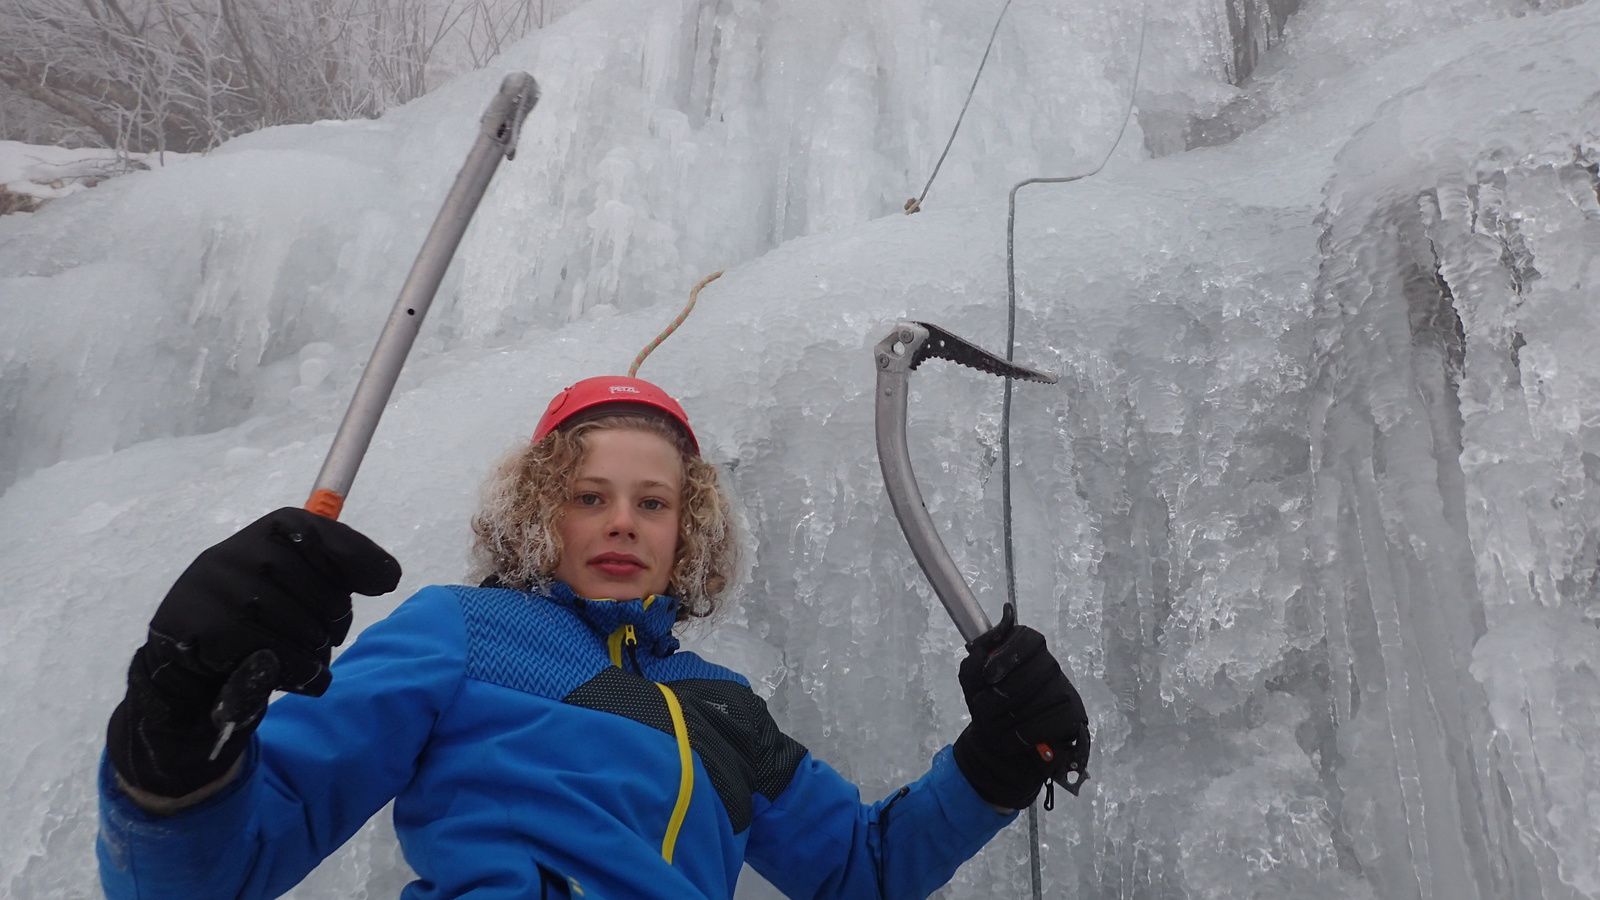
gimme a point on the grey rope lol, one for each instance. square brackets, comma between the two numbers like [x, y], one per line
[915, 204]
[1035, 863]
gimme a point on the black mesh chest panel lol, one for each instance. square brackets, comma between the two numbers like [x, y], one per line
[730, 730]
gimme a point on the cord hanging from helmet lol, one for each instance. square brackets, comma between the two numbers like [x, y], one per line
[633, 371]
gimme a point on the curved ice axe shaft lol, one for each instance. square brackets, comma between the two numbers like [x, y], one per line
[906, 347]
[497, 138]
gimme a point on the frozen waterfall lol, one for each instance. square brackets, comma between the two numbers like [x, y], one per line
[1314, 513]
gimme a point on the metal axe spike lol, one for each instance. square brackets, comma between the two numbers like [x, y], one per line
[922, 341]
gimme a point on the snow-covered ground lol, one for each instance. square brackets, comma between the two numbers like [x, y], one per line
[1314, 514]
[45, 173]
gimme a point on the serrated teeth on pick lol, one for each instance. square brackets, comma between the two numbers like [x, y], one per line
[942, 344]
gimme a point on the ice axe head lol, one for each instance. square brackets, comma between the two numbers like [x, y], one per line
[911, 344]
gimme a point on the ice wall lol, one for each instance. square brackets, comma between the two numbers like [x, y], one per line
[1255, 26]
[674, 139]
[1454, 444]
[1311, 516]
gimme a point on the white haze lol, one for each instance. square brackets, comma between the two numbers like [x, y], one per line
[1314, 514]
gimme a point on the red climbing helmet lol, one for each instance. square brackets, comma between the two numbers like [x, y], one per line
[611, 390]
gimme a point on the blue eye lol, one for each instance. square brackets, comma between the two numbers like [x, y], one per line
[652, 504]
[587, 499]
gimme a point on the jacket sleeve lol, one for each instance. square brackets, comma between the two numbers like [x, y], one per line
[316, 770]
[817, 839]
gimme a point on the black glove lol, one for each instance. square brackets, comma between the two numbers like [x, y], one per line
[259, 612]
[1028, 722]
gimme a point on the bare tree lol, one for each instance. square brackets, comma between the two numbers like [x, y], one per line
[150, 75]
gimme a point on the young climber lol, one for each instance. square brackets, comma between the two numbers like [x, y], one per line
[540, 734]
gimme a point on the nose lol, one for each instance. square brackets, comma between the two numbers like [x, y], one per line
[621, 522]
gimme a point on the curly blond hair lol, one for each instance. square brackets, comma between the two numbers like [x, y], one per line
[515, 541]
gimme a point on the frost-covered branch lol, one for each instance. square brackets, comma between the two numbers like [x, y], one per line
[144, 75]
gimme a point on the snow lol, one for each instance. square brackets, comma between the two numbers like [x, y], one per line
[1313, 517]
[51, 172]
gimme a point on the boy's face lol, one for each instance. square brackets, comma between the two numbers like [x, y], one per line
[619, 528]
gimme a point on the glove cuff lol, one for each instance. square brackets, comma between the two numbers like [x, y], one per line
[165, 763]
[166, 745]
[1008, 780]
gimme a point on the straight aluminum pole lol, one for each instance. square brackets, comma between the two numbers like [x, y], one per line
[497, 138]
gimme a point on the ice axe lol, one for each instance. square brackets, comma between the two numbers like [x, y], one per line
[497, 138]
[908, 346]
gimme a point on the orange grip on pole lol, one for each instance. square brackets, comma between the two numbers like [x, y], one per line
[325, 503]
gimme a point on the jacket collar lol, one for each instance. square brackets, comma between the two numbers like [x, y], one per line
[652, 617]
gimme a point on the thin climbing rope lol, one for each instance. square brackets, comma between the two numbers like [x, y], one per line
[1035, 863]
[633, 372]
[915, 203]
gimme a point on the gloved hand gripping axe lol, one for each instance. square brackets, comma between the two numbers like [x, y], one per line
[898, 355]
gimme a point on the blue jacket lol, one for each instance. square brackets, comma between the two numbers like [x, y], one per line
[539, 746]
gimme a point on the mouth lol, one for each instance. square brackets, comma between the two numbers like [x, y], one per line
[617, 565]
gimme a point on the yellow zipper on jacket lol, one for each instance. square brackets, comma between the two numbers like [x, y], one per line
[623, 635]
[680, 731]
[626, 636]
